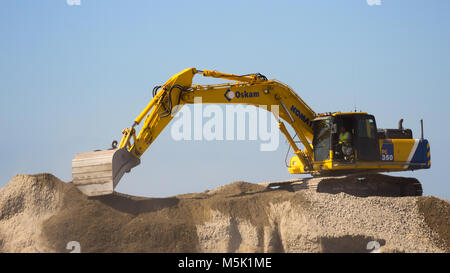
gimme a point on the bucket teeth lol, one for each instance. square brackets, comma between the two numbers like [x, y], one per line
[98, 173]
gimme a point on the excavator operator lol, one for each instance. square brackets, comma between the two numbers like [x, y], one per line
[345, 142]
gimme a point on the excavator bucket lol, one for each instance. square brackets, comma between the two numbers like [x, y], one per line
[98, 173]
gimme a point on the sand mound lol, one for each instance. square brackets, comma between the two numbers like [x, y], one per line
[25, 203]
[39, 213]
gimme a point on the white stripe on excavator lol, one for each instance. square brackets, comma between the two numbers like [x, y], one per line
[413, 151]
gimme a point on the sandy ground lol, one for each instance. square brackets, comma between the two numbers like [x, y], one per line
[40, 213]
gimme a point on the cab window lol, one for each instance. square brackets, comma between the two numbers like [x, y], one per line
[322, 139]
[366, 128]
[367, 142]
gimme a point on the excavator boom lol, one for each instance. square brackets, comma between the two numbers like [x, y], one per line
[98, 172]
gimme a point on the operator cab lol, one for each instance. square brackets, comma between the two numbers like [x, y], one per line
[346, 137]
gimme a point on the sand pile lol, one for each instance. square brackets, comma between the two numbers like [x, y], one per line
[40, 213]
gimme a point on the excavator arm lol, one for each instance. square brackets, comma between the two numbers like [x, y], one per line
[97, 173]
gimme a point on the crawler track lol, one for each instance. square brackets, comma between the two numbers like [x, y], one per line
[356, 184]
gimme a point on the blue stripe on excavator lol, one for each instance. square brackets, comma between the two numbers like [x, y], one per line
[421, 156]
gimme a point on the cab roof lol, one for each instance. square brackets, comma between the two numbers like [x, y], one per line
[336, 114]
[339, 114]
[348, 113]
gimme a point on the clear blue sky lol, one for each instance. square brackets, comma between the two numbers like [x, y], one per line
[72, 77]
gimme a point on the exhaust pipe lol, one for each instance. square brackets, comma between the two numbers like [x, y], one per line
[421, 128]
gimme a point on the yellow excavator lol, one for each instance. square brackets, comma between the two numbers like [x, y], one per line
[334, 144]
